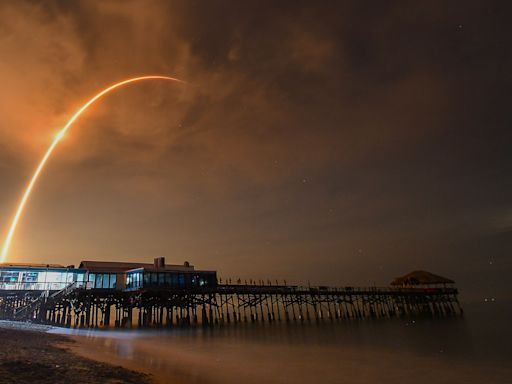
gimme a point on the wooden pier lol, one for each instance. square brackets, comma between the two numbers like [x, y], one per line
[223, 304]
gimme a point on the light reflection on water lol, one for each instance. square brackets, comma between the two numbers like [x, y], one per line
[473, 349]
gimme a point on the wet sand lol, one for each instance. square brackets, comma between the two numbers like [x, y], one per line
[30, 355]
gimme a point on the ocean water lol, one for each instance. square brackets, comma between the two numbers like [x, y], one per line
[475, 348]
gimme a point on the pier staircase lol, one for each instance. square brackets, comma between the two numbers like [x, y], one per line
[23, 312]
[26, 312]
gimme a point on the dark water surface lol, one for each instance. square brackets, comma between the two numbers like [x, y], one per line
[475, 348]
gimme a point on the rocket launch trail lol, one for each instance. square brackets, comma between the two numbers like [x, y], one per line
[58, 137]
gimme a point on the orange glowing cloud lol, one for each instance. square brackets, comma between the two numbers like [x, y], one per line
[58, 138]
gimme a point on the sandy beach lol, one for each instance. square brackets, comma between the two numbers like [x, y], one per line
[30, 355]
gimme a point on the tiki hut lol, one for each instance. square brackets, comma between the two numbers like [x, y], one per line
[421, 278]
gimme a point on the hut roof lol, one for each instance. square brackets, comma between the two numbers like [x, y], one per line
[421, 277]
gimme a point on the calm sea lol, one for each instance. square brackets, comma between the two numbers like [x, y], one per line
[476, 348]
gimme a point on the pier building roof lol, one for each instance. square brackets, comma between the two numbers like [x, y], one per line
[32, 265]
[421, 278]
[118, 267]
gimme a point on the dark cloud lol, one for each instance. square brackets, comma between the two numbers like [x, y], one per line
[315, 140]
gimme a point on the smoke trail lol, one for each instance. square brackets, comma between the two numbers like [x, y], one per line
[60, 135]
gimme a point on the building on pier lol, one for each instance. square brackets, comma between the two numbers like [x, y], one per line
[101, 275]
[39, 277]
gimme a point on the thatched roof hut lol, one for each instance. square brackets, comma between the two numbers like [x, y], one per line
[421, 278]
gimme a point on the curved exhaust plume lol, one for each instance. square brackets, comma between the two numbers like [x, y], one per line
[60, 135]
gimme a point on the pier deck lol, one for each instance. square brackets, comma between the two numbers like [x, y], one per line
[223, 304]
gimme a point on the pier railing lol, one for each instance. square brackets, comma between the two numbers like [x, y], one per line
[299, 289]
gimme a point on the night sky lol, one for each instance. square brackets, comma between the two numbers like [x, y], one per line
[337, 142]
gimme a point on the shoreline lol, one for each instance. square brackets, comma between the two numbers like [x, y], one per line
[30, 354]
[469, 349]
